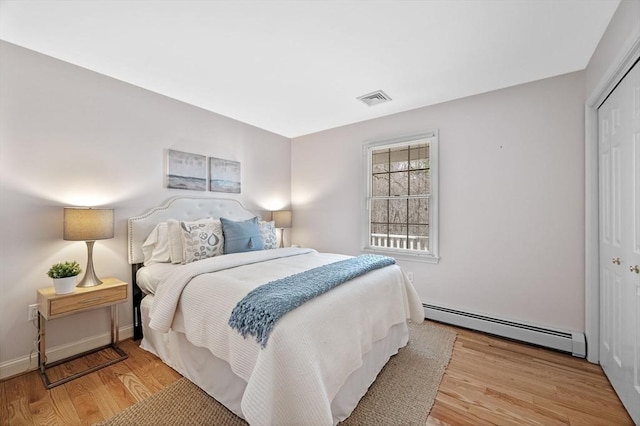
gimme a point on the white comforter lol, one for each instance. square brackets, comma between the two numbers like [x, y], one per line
[311, 351]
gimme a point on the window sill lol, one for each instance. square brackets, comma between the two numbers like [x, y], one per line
[404, 255]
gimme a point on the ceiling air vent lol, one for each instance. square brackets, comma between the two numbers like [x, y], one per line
[375, 98]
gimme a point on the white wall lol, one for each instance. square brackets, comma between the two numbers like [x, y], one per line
[511, 199]
[68, 137]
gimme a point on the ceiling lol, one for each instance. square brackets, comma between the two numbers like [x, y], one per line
[296, 67]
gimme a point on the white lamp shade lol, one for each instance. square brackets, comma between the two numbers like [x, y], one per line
[87, 224]
[282, 218]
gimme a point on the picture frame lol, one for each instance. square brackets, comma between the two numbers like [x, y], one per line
[186, 170]
[224, 176]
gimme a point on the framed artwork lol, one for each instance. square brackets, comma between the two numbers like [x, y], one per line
[186, 170]
[224, 175]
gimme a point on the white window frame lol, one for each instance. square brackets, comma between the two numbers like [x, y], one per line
[428, 256]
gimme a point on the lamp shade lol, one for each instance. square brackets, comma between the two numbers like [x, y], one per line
[282, 218]
[87, 224]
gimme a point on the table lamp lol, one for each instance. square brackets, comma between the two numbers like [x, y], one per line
[89, 225]
[282, 219]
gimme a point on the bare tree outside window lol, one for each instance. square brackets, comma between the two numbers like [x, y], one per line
[400, 196]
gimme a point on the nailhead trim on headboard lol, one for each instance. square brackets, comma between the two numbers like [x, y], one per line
[180, 208]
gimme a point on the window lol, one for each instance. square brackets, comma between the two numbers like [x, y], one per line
[401, 194]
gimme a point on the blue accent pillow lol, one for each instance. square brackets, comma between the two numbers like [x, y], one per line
[241, 236]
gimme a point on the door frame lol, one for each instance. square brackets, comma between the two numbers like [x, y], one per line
[609, 81]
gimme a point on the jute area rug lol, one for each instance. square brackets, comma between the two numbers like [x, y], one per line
[403, 393]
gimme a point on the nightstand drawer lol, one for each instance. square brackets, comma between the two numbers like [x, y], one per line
[87, 300]
[110, 292]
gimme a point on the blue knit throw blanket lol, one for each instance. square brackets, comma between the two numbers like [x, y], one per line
[258, 312]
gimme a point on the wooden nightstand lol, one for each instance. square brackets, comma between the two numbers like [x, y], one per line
[111, 292]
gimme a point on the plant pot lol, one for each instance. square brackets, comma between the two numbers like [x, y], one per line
[64, 285]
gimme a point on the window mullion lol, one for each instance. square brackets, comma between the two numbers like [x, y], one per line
[408, 193]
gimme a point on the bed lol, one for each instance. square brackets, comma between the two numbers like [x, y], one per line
[320, 358]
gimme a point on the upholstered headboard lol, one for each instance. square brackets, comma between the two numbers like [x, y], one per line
[180, 208]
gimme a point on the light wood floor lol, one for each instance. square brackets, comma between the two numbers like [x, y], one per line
[489, 381]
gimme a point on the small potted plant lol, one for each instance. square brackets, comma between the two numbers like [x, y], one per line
[64, 276]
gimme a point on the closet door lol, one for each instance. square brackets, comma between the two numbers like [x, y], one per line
[619, 174]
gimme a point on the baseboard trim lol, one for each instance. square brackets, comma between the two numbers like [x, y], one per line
[567, 341]
[18, 366]
[572, 342]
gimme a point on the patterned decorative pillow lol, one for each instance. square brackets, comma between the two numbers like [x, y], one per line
[176, 251]
[268, 234]
[201, 240]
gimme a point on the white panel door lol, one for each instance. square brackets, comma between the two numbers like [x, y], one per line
[619, 174]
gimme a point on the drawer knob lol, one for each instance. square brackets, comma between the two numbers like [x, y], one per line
[95, 299]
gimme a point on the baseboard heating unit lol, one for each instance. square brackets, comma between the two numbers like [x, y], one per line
[565, 341]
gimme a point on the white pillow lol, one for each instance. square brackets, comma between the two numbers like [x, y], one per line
[268, 234]
[175, 241]
[201, 240]
[156, 247]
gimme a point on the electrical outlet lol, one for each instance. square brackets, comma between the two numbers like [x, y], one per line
[33, 312]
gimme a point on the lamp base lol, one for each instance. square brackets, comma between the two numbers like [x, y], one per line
[90, 279]
[281, 238]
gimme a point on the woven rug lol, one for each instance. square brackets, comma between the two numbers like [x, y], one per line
[403, 393]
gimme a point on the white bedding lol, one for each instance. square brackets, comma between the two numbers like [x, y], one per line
[215, 377]
[150, 276]
[311, 351]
